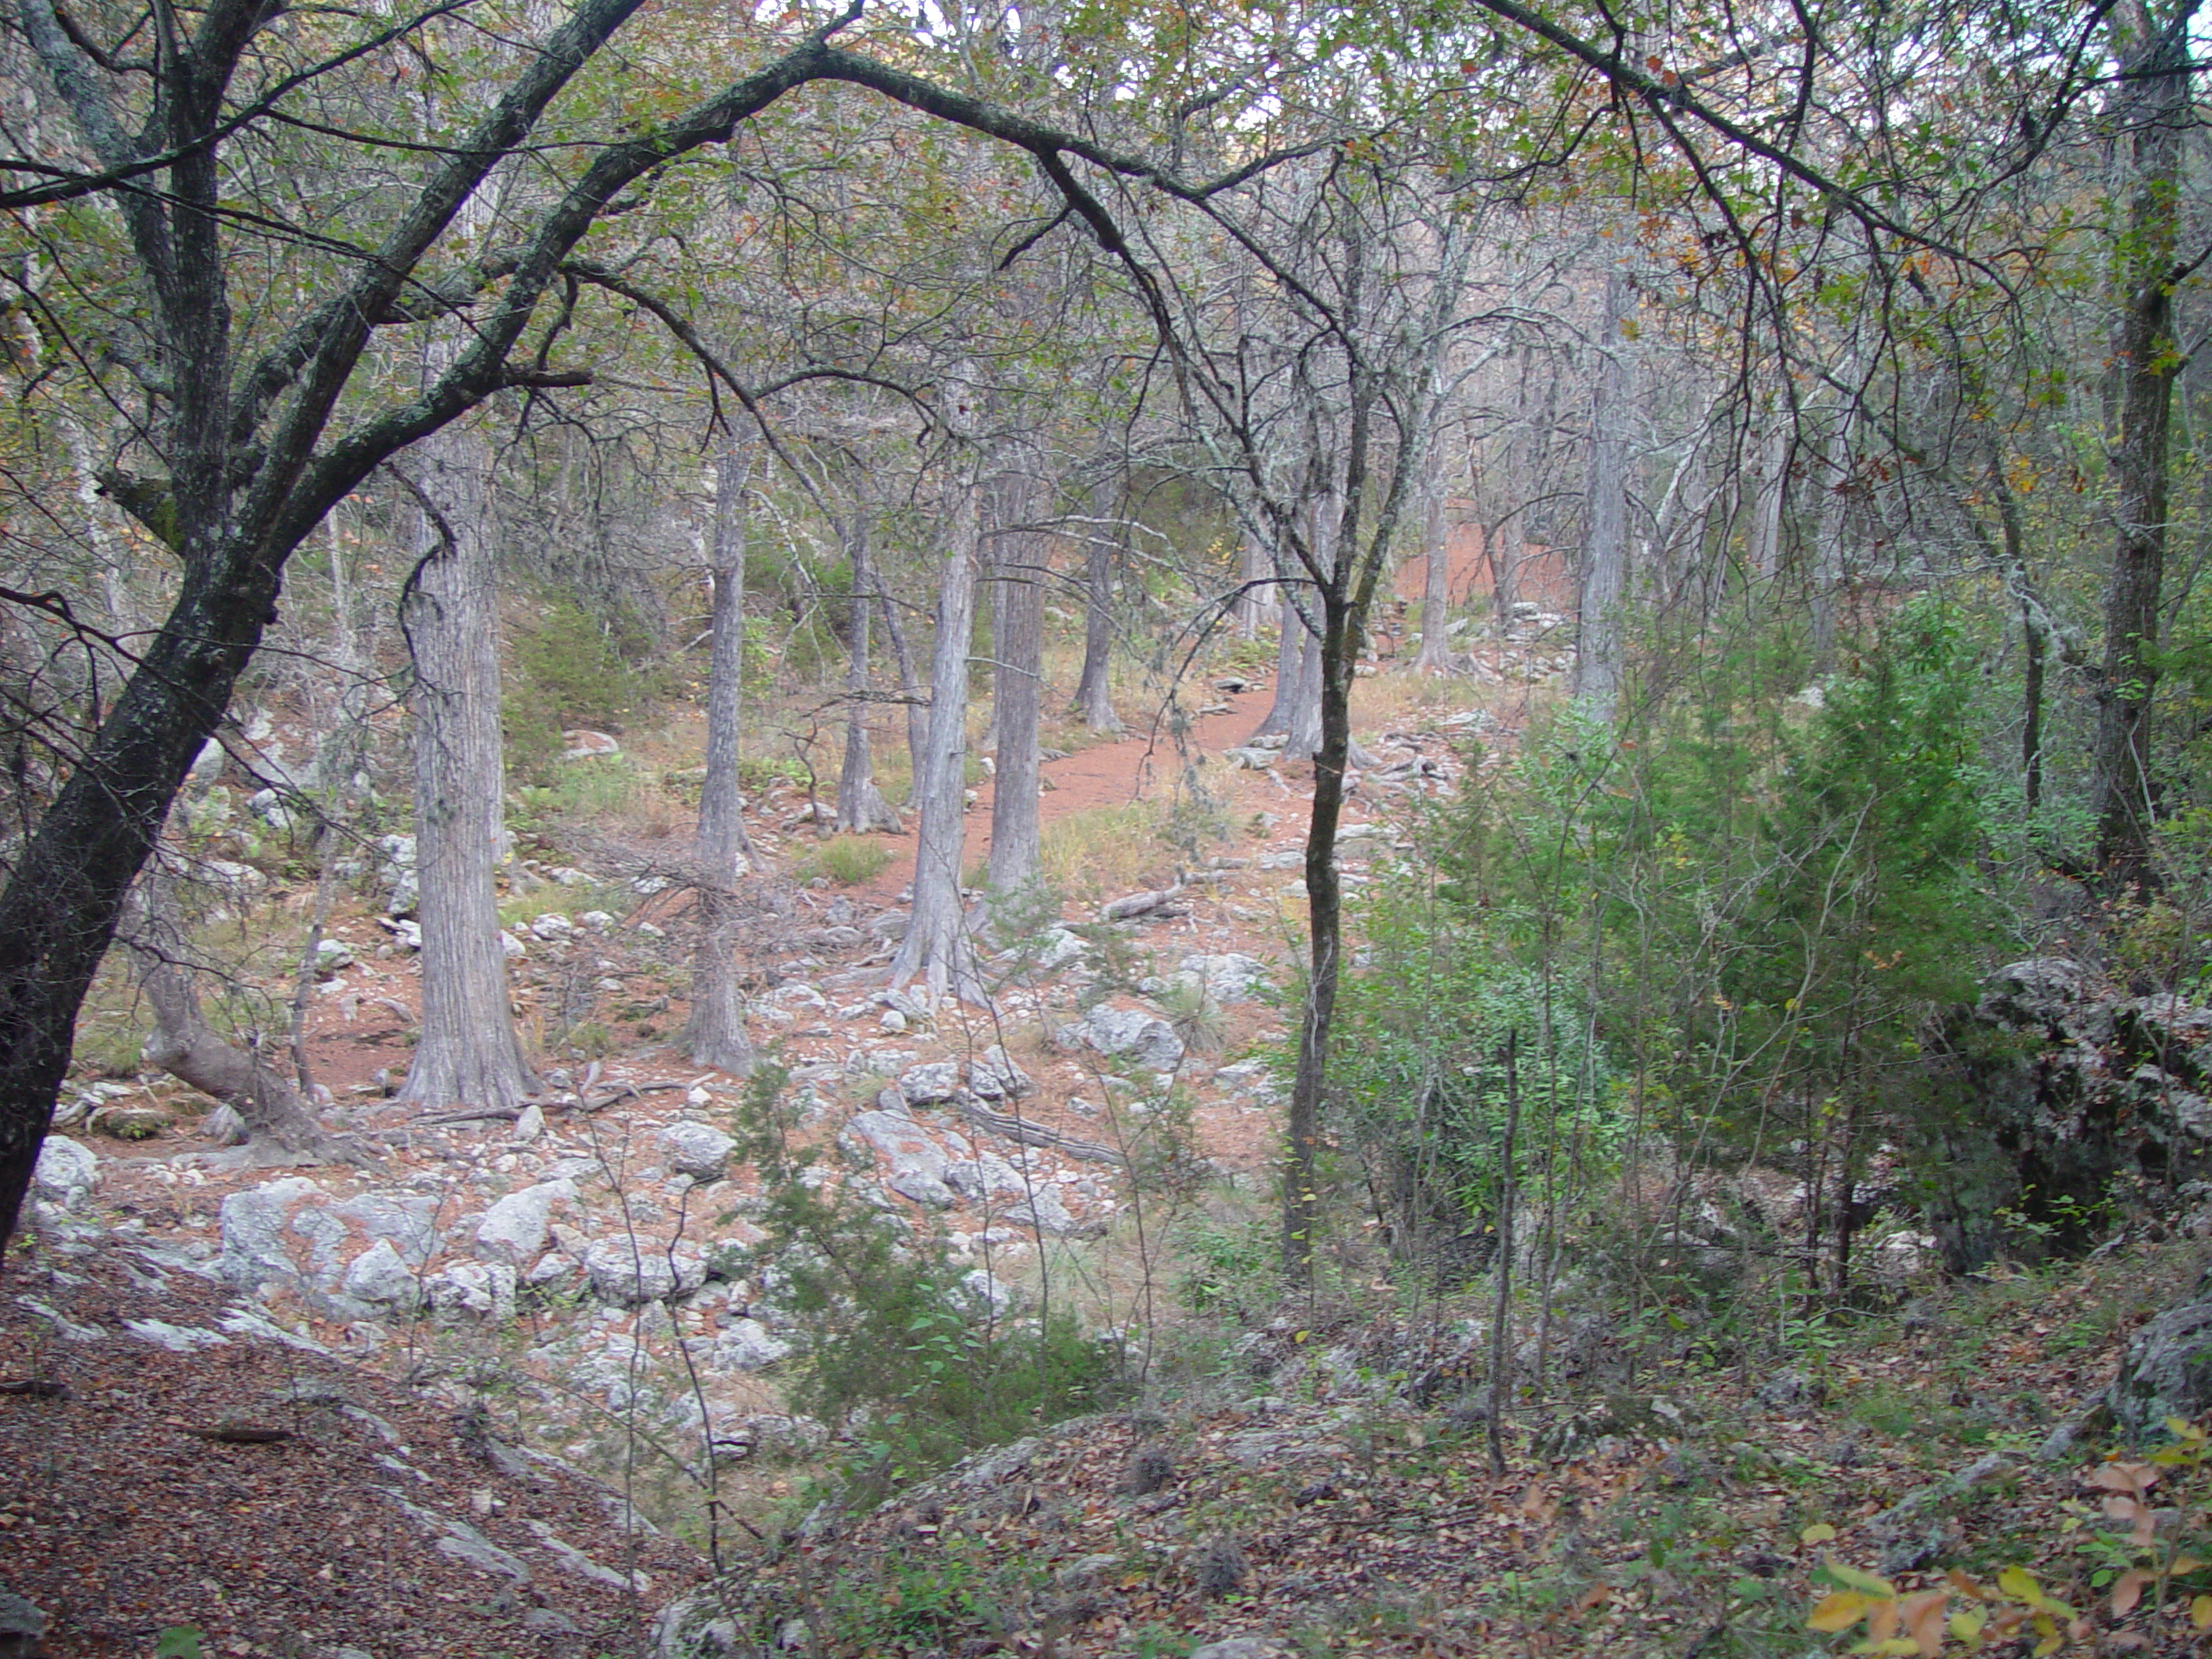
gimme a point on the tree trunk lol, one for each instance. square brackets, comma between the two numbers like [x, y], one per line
[861, 806]
[937, 949]
[2156, 104]
[468, 1053]
[715, 1035]
[1020, 649]
[1602, 573]
[1094, 691]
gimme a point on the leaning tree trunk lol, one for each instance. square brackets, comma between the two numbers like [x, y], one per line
[188, 1049]
[715, 1032]
[2155, 78]
[937, 949]
[468, 1053]
[861, 806]
[1023, 571]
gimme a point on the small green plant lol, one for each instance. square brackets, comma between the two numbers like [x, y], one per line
[178, 1641]
[848, 860]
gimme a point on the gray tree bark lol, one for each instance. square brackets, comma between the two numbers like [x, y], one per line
[468, 1053]
[715, 1035]
[1253, 565]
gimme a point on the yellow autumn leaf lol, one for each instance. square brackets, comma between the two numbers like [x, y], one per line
[2200, 1613]
[2017, 1583]
[1819, 1533]
[1967, 1626]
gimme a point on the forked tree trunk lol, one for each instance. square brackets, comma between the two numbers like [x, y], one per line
[1020, 653]
[937, 949]
[714, 1035]
[468, 1053]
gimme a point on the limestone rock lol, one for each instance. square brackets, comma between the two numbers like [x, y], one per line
[484, 1289]
[1229, 977]
[381, 1274]
[746, 1345]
